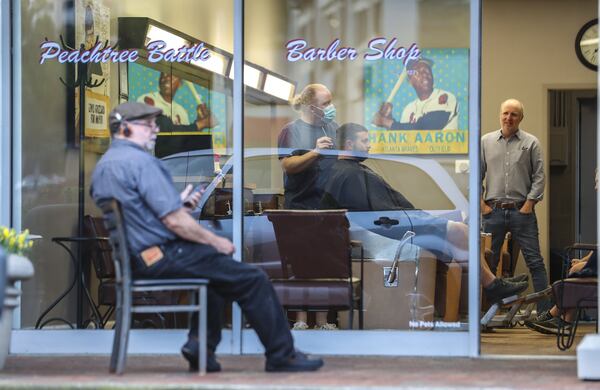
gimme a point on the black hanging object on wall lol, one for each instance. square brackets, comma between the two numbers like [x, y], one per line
[82, 80]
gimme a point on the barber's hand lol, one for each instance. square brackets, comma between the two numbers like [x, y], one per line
[323, 143]
[223, 245]
[190, 199]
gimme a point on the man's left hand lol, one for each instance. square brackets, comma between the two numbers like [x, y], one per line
[527, 207]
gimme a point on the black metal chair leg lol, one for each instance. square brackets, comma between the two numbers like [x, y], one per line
[361, 319]
[124, 333]
[202, 324]
[116, 344]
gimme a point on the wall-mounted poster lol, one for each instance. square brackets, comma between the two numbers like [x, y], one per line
[92, 26]
[96, 115]
[420, 107]
[191, 108]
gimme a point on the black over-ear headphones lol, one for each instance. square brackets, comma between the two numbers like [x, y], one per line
[121, 122]
[126, 131]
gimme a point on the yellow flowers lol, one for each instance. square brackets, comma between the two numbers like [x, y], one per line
[14, 242]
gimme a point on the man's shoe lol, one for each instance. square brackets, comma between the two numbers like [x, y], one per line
[518, 278]
[298, 362]
[190, 353]
[326, 326]
[543, 316]
[548, 327]
[500, 289]
[300, 325]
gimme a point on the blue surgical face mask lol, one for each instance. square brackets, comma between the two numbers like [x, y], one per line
[329, 113]
[326, 114]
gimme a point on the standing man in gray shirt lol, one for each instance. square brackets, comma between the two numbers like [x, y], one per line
[513, 171]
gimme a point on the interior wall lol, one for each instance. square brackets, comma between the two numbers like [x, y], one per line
[214, 23]
[528, 48]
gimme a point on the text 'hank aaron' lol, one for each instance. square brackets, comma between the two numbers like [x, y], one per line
[378, 48]
[156, 51]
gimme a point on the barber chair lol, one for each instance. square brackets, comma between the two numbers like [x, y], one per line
[574, 293]
[316, 264]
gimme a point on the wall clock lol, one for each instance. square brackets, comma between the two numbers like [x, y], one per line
[586, 44]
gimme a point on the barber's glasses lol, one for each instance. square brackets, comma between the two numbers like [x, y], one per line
[151, 126]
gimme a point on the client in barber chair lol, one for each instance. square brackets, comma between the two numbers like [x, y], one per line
[549, 321]
[343, 191]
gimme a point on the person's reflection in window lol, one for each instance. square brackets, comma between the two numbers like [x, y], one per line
[304, 144]
[354, 186]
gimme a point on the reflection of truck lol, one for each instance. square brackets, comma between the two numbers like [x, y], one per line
[423, 181]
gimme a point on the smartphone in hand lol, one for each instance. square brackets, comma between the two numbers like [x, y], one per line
[199, 188]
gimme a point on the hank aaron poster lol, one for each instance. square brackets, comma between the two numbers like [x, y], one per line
[191, 108]
[420, 107]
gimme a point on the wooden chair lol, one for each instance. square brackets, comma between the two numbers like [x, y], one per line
[125, 287]
[316, 261]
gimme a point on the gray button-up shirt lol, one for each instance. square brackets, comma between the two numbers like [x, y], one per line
[143, 186]
[512, 168]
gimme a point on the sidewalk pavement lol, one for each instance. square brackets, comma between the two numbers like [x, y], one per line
[247, 372]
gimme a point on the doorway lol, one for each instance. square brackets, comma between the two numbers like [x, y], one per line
[572, 161]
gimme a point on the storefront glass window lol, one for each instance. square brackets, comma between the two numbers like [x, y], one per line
[57, 159]
[368, 114]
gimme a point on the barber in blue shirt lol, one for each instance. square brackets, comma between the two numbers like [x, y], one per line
[166, 242]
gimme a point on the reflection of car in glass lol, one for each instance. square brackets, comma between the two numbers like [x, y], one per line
[423, 181]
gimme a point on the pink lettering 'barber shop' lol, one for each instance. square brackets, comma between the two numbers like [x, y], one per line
[378, 48]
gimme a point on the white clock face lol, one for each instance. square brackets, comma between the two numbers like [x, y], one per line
[587, 45]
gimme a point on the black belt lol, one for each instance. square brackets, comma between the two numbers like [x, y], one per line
[501, 204]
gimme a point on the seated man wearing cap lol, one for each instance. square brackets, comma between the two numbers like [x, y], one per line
[157, 222]
[433, 109]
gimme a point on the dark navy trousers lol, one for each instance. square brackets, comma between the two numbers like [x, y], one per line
[229, 280]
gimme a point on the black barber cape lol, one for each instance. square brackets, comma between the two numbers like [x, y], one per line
[356, 187]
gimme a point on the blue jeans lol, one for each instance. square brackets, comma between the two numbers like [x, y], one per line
[524, 230]
[229, 280]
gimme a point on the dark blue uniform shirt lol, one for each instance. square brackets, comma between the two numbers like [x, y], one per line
[143, 186]
[304, 190]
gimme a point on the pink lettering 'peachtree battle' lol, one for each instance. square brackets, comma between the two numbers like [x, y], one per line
[156, 51]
